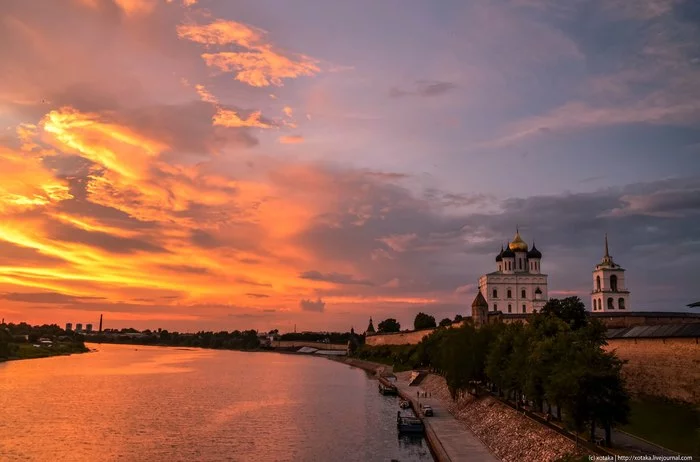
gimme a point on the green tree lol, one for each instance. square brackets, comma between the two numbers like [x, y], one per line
[388, 325]
[446, 322]
[458, 318]
[423, 321]
[571, 310]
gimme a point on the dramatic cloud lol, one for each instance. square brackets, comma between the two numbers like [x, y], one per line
[260, 65]
[148, 175]
[424, 88]
[228, 118]
[336, 278]
[291, 139]
[46, 297]
[310, 305]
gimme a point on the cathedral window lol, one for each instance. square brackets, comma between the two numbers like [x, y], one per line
[524, 309]
[495, 307]
[510, 308]
[613, 283]
[520, 263]
[621, 303]
[523, 294]
[510, 294]
[499, 268]
[611, 306]
[597, 283]
[495, 293]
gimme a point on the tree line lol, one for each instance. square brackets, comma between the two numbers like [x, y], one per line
[13, 335]
[235, 340]
[555, 362]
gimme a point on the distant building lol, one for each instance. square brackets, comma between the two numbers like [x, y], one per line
[609, 291]
[88, 328]
[79, 327]
[517, 286]
[69, 326]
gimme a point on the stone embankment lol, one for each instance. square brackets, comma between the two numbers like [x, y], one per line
[510, 435]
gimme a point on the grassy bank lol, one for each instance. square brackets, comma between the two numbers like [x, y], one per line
[29, 351]
[670, 424]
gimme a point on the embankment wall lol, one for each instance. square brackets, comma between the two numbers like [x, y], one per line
[317, 345]
[661, 367]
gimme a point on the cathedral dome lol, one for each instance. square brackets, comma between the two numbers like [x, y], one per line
[534, 253]
[507, 253]
[499, 257]
[518, 245]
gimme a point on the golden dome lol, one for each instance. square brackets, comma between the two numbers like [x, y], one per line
[518, 245]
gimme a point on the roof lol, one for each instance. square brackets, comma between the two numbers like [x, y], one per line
[644, 314]
[664, 331]
[534, 253]
[479, 300]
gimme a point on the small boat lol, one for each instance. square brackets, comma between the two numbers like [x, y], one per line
[409, 424]
[388, 389]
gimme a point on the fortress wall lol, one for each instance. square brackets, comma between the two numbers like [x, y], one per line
[661, 367]
[399, 338]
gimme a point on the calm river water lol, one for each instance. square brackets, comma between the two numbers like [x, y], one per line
[135, 403]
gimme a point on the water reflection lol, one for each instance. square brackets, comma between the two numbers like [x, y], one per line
[168, 404]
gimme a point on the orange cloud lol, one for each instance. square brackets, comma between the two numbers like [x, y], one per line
[205, 95]
[288, 111]
[228, 118]
[260, 65]
[291, 139]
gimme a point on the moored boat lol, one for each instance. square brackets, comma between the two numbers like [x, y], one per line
[409, 424]
[388, 389]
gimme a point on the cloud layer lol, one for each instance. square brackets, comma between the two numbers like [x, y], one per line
[219, 168]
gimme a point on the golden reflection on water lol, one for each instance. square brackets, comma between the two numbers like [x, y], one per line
[126, 403]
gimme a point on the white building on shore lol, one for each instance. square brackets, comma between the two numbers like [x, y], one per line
[517, 286]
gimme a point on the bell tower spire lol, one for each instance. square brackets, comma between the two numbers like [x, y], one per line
[607, 253]
[609, 290]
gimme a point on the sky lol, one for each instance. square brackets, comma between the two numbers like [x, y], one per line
[267, 164]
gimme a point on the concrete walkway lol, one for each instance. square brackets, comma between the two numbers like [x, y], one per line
[457, 442]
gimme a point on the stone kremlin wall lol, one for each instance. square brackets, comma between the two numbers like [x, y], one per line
[668, 367]
[661, 367]
[398, 338]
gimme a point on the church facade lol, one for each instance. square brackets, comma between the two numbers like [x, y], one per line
[517, 286]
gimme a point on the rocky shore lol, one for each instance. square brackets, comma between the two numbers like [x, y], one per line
[511, 436]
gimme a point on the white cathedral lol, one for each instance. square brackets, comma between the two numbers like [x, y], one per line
[519, 287]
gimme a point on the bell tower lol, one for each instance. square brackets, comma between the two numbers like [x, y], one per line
[609, 290]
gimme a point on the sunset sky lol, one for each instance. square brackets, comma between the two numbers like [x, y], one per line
[229, 164]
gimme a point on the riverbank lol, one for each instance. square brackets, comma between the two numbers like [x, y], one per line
[508, 434]
[449, 439]
[29, 351]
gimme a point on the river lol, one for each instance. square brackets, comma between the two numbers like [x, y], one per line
[137, 403]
